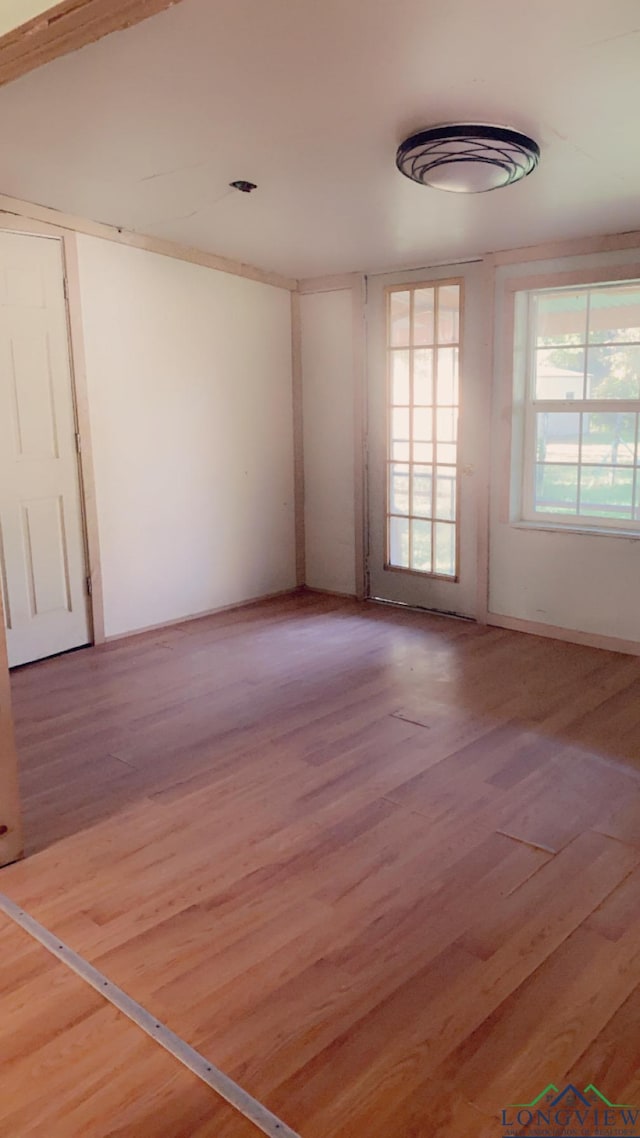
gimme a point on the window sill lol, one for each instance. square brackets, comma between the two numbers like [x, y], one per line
[587, 531]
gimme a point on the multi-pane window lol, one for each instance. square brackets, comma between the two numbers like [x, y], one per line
[582, 406]
[423, 345]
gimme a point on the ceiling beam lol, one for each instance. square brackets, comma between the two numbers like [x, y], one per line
[54, 30]
[42, 214]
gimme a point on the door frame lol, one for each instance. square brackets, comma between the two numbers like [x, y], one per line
[80, 401]
[11, 839]
[484, 374]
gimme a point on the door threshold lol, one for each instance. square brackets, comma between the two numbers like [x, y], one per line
[421, 608]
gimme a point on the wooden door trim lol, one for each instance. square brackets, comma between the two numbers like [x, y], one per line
[486, 382]
[81, 402]
[358, 294]
[298, 440]
[11, 843]
[66, 27]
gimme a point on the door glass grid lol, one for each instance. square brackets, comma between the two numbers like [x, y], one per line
[423, 345]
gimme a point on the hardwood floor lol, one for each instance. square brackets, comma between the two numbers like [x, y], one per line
[71, 1065]
[382, 868]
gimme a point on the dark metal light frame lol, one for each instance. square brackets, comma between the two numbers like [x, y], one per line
[514, 153]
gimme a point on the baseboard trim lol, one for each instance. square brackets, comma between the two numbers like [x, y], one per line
[328, 592]
[569, 635]
[250, 603]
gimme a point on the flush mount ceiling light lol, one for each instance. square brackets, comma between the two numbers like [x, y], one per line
[467, 158]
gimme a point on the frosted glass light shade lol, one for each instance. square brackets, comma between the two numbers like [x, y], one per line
[467, 159]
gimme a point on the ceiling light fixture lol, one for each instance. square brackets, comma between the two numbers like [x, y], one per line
[467, 158]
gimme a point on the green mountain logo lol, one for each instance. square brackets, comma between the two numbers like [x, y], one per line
[591, 1096]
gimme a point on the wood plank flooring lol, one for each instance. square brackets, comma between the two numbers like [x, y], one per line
[72, 1065]
[382, 868]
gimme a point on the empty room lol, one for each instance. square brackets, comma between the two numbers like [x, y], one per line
[319, 569]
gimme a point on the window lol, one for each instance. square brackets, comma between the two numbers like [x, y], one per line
[423, 341]
[582, 406]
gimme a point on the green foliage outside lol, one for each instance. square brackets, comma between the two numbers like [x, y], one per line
[608, 438]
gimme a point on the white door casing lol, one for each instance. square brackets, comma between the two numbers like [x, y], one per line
[420, 590]
[42, 549]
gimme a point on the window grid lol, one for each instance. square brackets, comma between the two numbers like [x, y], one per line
[437, 462]
[580, 425]
[622, 514]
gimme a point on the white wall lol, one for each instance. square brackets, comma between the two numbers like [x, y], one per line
[189, 382]
[328, 410]
[577, 581]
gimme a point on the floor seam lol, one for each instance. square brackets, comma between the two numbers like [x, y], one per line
[222, 1084]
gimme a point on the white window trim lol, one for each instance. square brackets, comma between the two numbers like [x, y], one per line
[525, 408]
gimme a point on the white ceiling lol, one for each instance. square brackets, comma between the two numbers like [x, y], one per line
[310, 98]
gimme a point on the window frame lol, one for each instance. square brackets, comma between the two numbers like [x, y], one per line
[527, 407]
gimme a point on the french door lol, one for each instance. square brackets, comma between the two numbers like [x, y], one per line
[427, 339]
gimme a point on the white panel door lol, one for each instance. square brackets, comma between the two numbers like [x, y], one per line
[42, 553]
[428, 335]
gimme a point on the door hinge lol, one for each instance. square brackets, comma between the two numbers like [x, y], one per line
[65, 288]
[78, 442]
[89, 586]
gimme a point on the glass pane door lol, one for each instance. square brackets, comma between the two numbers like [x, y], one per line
[423, 341]
[426, 342]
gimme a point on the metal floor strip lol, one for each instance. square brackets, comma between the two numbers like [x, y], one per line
[238, 1098]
